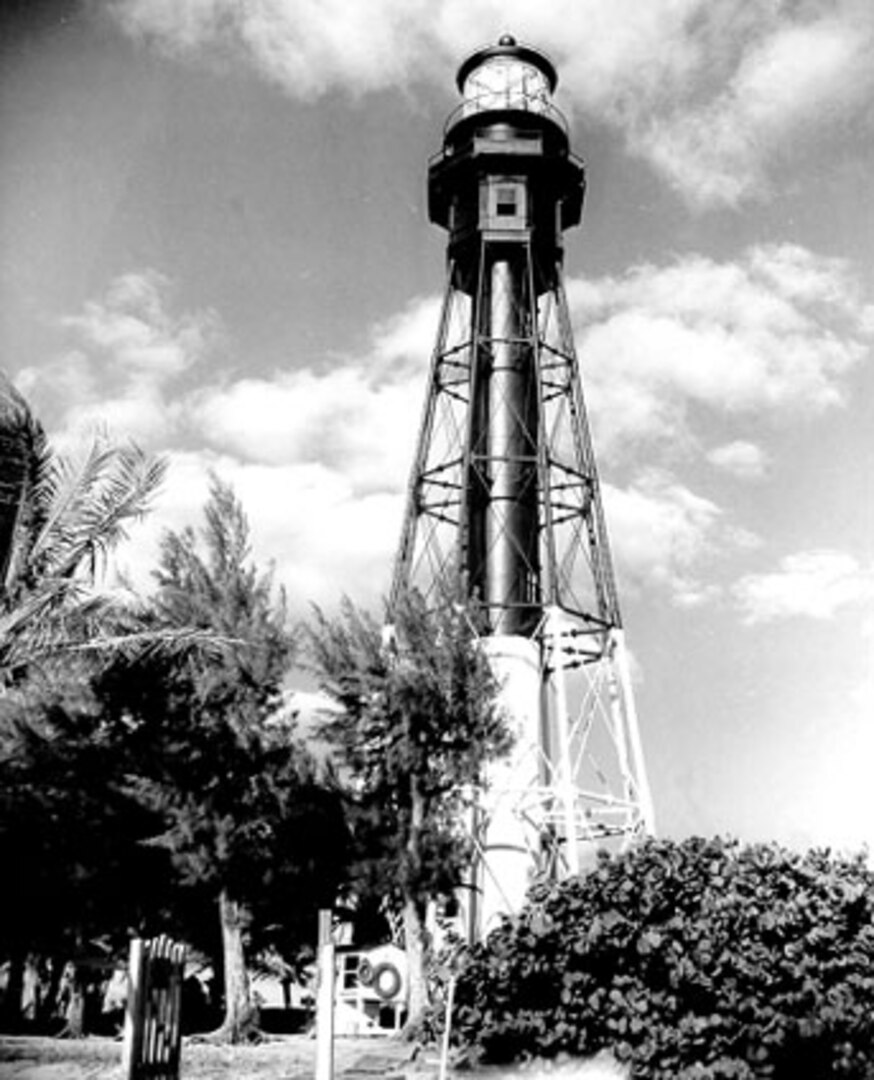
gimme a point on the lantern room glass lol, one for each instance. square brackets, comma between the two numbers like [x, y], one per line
[506, 82]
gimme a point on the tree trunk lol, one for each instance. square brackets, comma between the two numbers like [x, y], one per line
[48, 1005]
[74, 1028]
[10, 1014]
[241, 1017]
[30, 992]
[71, 999]
[414, 942]
[414, 919]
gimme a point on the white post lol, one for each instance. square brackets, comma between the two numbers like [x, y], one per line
[325, 1000]
[447, 1029]
[133, 1019]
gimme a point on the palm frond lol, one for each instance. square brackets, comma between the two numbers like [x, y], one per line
[25, 454]
[98, 628]
[92, 500]
[72, 513]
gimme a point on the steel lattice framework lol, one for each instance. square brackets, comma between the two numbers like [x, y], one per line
[504, 504]
[572, 568]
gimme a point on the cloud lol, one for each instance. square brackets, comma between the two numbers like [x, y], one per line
[793, 74]
[816, 584]
[320, 456]
[775, 333]
[132, 324]
[130, 349]
[322, 537]
[336, 417]
[359, 416]
[742, 459]
[307, 47]
[320, 453]
[327, 538]
[712, 95]
[661, 532]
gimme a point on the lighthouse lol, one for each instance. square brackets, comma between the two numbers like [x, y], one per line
[504, 510]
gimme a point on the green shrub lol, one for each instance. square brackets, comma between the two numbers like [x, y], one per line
[700, 959]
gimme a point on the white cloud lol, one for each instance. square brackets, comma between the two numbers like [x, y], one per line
[336, 418]
[328, 538]
[323, 538]
[775, 333]
[816, 584]
[401, 344]
[321, 453]
[661, 532]
[792, 76]
[819, 283]
[713, 95]
[132, 324]
[305, 46]
[359, 416]
[742, 459]
[130, 349]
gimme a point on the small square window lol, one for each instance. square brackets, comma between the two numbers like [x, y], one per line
[506, 202]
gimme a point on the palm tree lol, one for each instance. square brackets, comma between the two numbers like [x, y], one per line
[20, 439]
[59, 520]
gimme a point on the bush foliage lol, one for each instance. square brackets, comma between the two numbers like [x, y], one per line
[696, 959]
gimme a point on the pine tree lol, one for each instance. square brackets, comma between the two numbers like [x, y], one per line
[245, 811]
[418, 720]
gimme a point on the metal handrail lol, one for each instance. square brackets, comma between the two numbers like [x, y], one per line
[506, 101]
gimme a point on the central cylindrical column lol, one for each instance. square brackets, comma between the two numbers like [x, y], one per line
[504, 559]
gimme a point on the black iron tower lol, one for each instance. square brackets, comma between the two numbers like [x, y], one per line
[504, 504]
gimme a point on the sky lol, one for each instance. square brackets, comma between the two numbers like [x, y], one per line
[214, 240]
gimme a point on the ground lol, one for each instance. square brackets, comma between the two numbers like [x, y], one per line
[289, 1057]
[281, 1058]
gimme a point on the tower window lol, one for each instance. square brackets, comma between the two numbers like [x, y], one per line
[505, 202]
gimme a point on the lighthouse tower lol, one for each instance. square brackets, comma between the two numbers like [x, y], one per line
[504, 506]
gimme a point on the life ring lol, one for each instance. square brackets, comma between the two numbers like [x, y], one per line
[386, 981]
[365, 972]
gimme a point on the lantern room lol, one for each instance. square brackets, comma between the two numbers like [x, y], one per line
[505, 173]
[506, 76]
